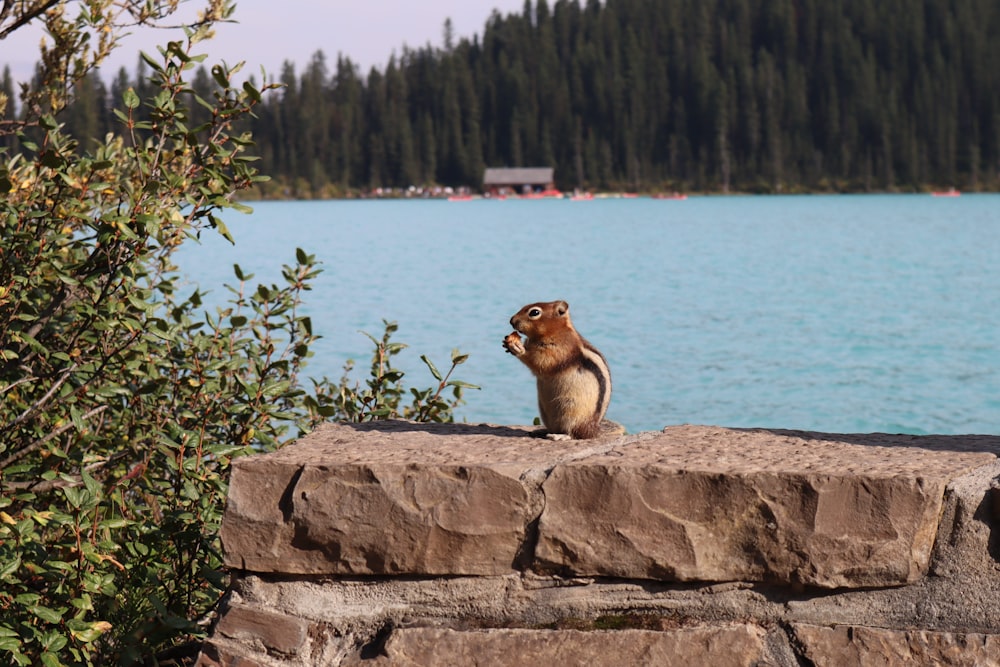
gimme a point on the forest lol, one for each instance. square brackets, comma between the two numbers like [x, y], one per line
[640, 95]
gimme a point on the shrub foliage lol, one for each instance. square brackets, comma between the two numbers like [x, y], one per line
[122, 402]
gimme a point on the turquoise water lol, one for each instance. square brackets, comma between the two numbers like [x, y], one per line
[837, 313]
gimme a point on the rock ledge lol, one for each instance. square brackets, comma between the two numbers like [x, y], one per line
[392, 539]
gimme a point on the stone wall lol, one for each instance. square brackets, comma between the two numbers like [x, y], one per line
[411, 544]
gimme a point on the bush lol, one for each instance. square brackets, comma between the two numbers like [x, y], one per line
[122, 404]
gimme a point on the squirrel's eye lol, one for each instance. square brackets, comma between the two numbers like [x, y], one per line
[535, 312]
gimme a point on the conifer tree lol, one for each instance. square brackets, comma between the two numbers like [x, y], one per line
[753, 95]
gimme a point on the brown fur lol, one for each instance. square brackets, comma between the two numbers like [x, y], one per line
[573, 379]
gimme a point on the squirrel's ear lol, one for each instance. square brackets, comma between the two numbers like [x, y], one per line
[562, 308]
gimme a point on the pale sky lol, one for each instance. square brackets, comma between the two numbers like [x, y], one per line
[268, 32]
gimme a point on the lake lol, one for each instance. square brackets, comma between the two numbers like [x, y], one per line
[841, 313]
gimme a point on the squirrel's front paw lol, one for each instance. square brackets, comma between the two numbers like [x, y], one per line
[513, 344]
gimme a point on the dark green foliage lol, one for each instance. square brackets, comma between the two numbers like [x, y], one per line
[383, 393]
[758, 95]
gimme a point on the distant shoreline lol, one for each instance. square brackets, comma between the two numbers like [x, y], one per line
[458, 196]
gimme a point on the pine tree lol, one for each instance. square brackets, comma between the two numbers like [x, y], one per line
[761, 95]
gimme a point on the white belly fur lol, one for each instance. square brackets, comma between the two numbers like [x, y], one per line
[568, 399]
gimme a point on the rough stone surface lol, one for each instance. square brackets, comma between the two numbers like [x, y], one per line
[851, 645]
[708, 504]
[274, 632]
[214, 656]
[578, 536]
[689, 504]
[730, 646]
[390, 498]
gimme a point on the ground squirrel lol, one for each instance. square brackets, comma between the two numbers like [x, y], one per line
[574, 383]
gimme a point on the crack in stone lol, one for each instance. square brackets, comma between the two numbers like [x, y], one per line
[535, 478]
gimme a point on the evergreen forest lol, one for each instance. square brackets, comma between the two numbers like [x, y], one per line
[641, 95]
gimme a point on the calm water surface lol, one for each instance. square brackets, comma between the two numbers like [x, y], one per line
[834, 313]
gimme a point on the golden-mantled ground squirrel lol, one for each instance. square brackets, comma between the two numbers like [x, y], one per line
[574, 383]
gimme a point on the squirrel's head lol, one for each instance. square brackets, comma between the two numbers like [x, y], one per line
[539, 319]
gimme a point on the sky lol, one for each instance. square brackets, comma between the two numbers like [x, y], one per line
[269, 32]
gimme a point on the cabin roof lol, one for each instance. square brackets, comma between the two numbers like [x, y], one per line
[518, 176]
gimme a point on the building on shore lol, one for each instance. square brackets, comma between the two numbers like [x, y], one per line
[501, 181]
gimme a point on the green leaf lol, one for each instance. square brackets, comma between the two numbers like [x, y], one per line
[8, 569]
[222, 229]
[74, 495]
[76, 417]
[46, 614]
[220, 76]
[434, 371]
[252, 92]
[138, 301]
[130, 99]
[54, 641]
[12, 644]
[88, 633]
[463, 385]
[93, 486]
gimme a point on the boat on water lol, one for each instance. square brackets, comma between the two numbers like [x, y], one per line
[550, 193]
[950, 192]
[675, 196]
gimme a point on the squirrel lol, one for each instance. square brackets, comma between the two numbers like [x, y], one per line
[574, 382]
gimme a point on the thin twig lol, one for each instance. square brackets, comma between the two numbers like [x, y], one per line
[40, 403]
[24, 451]
[40, 486]
[30, 378]
[25, 18]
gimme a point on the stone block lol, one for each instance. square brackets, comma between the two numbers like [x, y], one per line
[212, 655]
[692, 503]
[863, 646]
[389, 498]
[274, 632]
[726, 646]
[709, 504]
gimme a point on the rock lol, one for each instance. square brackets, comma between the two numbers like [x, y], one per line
[388, 498]
[689, 504]
[850, 645]
[419, 544]
[726, 646]
[274, 632]
[710, 504]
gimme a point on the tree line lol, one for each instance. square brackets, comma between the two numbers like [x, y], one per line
[704, 95]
